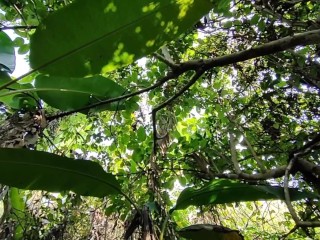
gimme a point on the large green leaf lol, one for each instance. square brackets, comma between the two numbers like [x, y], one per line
[75, 93]
[90, 37]
[36, 170]
[7, 54]
[227, 191]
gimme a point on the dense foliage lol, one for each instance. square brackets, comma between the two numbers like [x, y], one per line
[141, 118]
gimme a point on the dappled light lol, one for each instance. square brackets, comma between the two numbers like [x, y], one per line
[150, 7]
[184, 7]
[111, 7]
[104, 45]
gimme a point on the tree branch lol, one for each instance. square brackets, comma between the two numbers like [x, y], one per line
[270, 174]
[282, 44]
[273, 173]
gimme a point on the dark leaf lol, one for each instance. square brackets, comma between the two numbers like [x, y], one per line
[36, 170]
[227, 191]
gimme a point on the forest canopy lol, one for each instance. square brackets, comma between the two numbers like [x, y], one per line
[160, 119]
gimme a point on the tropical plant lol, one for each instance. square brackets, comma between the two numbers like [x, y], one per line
[128, 101]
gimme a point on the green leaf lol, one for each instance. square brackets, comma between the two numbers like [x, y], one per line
[222, 6]
[209, 231]
[227, 191]
[34, 170]
[15, 97]
[89, 38]
[7, 54]
[141, 134]
[227, 24]
[255, 19]
[261, 25]
[75, 93]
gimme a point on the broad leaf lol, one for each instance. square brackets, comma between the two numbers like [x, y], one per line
[17, 100]
[89, 38]
[75, 93]
[208, 231]
[7, 54]
[227, 191]
[36, 170]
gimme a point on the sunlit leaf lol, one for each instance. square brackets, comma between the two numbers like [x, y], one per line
[89, 38]
[36, 170]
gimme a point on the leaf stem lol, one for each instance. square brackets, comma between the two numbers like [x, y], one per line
[164, 226]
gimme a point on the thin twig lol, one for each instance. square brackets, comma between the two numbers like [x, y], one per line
[17, 27]
[19, 12]
[283, 237]
[52, 143]
[166, 61]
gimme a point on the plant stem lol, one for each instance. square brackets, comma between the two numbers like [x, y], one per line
[164, 226]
